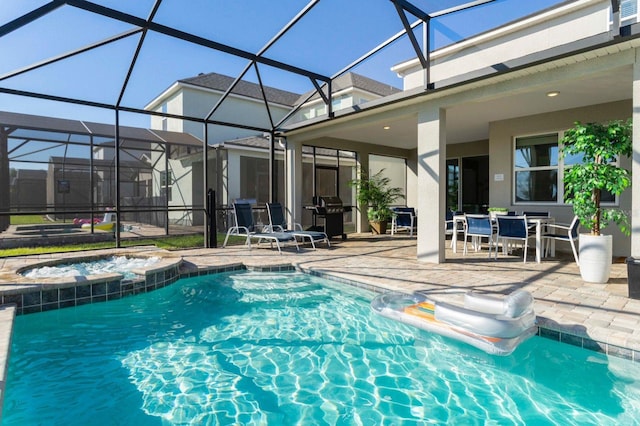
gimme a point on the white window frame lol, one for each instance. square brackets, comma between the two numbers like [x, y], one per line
[560, 173]
[558, 168]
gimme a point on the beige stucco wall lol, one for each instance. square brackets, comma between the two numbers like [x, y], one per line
[563, 25]
[501, 137]
[469, 149]
[237, 110]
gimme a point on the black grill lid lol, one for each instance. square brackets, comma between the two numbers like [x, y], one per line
[330, 202]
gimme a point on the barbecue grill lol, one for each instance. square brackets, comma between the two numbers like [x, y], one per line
[331, 211]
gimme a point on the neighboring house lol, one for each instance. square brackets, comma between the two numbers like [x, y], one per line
[197, 96]
[240, 161]
[349, 90]
[65, 166]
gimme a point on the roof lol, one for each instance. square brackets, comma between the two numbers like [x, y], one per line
[37, 122]
[356, 81]
[222, 82]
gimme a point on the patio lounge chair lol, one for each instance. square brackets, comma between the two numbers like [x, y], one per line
[277, 222]
[245, 226]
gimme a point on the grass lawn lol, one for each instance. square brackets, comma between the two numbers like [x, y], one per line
[167, 243]
[28, 219]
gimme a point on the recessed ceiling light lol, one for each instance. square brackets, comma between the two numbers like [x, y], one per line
[553, 94]
[386, 127]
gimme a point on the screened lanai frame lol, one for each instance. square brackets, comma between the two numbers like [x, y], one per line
[420, 12]
[81, 170]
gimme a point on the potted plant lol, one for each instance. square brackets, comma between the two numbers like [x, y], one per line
[374, 194]
[601, 146]
[493, 211]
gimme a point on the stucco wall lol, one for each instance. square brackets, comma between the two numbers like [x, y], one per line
[237, 110]
[572, 22]
[501, 137]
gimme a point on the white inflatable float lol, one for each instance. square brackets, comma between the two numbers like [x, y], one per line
[495, 325]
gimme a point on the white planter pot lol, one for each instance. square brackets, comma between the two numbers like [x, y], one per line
[596, 253]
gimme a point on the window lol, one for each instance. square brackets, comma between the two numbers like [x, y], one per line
[254, 178]
[166, 183]
[165, 125]
[538, 170]
[628, 11]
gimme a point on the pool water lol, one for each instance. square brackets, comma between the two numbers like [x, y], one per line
[290, 349]
[114, 264]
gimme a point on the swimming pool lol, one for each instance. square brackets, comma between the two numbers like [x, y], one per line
[289, 348]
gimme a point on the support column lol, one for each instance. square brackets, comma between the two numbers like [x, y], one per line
[5, 178]
[635, 168]
[361, 217]
[431, 184]
[293, 181]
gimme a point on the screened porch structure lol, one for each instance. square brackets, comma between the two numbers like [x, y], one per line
[110, 58]
[69, 171]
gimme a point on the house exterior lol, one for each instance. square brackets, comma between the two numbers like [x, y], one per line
[487, 105]
[349, 90]
[239, 158]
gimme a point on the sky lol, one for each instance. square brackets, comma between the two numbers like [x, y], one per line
[328, 38]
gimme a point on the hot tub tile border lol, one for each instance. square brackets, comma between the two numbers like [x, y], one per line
[40, 297]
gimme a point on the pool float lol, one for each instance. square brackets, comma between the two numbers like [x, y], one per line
[494, 325]
[108, 223]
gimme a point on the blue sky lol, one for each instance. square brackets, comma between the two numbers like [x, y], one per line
[331, 36]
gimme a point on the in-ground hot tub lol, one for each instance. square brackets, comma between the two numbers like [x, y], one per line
[125, 265]
[76, 280]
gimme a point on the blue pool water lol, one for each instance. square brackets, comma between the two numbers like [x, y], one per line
[290, 349]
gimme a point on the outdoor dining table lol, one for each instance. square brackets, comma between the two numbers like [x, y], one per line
[538, 221]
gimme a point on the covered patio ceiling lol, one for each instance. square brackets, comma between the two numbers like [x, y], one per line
[468, 121]
[84, 59]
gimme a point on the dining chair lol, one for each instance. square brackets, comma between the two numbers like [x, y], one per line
[563, 232]
[512, 228]
[403, 218]
[450, 225]
[478, 227]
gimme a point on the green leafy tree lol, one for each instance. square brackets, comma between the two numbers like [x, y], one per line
[601, 146]
[374, 193]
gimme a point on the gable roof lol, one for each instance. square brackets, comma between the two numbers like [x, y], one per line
[356, 81]
[222, 82]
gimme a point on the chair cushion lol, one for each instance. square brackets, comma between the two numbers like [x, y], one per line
[280, 236]
[312, 234]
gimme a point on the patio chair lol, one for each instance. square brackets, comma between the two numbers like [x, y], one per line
[450, 225]
[478, 227]
[245, 226]
[563, 232]
[404, 218]
[277, 223]
[512, 228]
